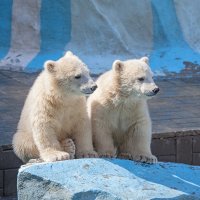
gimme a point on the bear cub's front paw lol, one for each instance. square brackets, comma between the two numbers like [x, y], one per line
[126, 156]
[107, 155]
[53, 156]
[151, 159]
[87, 154]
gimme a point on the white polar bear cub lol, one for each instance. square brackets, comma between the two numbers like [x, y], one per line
[54, 111]
[118, 110]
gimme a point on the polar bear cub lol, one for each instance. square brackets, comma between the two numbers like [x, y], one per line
[118, 110]
[54, 111]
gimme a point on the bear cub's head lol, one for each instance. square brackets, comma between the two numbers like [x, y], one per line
[70, 74]
[135, 77]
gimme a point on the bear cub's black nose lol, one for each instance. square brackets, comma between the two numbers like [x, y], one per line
[94, 87]
[156, 90]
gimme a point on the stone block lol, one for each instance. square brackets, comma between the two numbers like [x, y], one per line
[169, 158]
[107, 179]
[184, 150]
[1, 178]
[1, 192]
[196, 159]
[163, 147]
[10, 182]
[8, 160]
[196, 144]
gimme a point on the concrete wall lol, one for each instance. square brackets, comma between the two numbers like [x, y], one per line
[99, 32]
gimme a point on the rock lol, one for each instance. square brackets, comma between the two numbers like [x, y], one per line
[108, 179]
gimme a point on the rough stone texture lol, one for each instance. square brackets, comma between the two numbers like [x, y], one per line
[1, 192]
[196, 159]
[163, 147]
[1, 179]
[10, 181]
[196, 144]
[184, 149]
[167, 158]
[9, 164]
[9, 160]
[108, 179]
[8, 198]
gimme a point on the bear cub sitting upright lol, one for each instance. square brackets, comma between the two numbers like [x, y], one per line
[55, 112]
[118, 110]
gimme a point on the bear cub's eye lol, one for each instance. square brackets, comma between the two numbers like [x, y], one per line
[141, 79]
[77, 76]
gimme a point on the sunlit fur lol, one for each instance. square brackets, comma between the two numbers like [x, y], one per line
[55, 110]
[118, 110]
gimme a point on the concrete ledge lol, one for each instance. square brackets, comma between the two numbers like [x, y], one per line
[180, 147]
[9, 165]
[108, 179]
[177, 133]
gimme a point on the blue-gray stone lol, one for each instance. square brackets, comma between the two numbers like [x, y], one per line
[108, 179]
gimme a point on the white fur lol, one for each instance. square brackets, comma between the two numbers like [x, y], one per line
[54, 111]
[118, 110]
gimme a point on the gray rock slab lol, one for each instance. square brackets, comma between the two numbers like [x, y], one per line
[108, 179]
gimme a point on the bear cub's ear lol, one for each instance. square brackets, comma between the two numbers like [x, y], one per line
[145, 59]
[69, 53]
[118, 65]
[50, 66]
